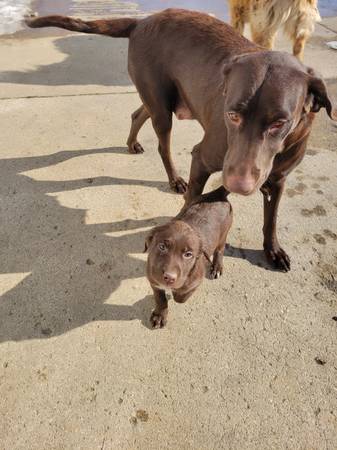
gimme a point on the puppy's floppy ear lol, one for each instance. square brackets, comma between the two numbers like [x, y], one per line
[150, 236]
[148, 240]
[202, 251]
[318, 97]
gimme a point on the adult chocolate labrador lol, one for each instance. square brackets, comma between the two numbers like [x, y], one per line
[255, 106]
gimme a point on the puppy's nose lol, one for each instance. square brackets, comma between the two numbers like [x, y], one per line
[170, 277]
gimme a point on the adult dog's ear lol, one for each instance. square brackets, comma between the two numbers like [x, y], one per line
[318, 97]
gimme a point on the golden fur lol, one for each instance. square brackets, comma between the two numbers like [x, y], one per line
[298, 18]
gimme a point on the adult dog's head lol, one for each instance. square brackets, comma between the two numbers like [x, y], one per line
[267, 96]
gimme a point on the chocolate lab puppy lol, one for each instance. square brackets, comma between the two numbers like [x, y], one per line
[180, 250]
[256, 107]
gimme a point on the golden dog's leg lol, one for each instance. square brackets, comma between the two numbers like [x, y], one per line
[238, 14]
[298, 46]
[265, 38]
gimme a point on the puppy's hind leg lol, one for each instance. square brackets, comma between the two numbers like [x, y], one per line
[139, 117]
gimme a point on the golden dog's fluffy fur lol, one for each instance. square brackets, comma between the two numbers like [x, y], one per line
[298, 18]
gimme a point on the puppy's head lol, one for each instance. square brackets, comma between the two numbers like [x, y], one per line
[174, 250]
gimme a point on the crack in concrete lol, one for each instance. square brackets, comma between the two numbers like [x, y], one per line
[67, 95]
[328, 28]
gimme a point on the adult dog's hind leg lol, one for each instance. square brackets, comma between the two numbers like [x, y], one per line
[158, 95]
[138, 118]
[162, 124]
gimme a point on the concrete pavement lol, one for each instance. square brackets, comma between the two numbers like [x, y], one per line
[248, 363]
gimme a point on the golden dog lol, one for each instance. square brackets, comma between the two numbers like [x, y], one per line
[298, 18]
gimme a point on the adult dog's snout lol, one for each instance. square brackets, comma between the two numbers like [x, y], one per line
[241, 180]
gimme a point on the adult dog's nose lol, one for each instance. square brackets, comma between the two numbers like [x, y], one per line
[170, 277]
[241, 179]
[240, 185]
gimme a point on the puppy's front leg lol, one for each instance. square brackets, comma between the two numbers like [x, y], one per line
[158, 317]
[180, 296]
[217, 264]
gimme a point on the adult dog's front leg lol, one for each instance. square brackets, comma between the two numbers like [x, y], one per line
[272, 193]
[198, 176]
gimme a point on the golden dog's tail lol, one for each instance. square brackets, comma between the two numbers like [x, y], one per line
[109, 27]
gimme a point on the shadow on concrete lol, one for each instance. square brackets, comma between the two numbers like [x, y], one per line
[67, 269]
[141, 310]
[89, 60]
[255, 257]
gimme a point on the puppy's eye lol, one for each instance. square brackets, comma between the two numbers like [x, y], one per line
[276, 127]
[162, 247]
[234, 117]
[188, 255]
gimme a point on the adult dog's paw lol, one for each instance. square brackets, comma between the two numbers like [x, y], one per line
[158, 319]
[178, 185]
[278, 258]
[135, 148]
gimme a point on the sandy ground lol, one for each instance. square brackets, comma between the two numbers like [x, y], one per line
[248, 363]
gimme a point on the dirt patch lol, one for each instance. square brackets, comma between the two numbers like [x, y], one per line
[318, 210]
[330, 234]
[319, 239]
[142, 415]
[311, 152]
[298, 190]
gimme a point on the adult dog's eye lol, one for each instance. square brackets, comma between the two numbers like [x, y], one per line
[188, 255]
[234, 117]
[162, 247]
[276, 127]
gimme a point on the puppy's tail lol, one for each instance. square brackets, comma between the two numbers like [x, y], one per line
[110, 27]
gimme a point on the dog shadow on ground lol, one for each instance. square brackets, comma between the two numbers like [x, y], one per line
[89, 60]
[64, 269]
[254, 257]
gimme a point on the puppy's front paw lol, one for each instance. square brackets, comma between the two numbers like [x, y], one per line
[215, 271]
[158, 319]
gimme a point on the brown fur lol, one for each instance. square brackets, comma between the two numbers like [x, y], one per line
[298, 17]
[197, 66]
[199, 230]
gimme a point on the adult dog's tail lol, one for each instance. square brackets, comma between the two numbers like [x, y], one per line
[108, 27]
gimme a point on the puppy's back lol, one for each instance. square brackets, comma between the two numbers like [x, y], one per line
[210, 215]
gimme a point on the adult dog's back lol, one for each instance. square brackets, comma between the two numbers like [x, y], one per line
[298, 18]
